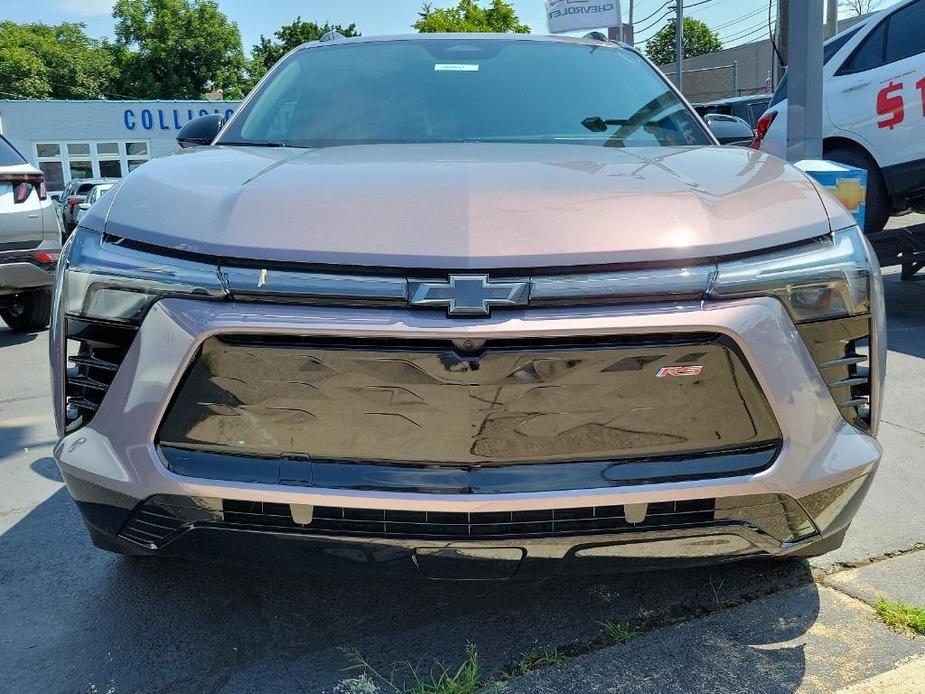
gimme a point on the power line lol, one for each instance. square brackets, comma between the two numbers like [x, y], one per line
[659, 21]
[646, 19]
[738, 19]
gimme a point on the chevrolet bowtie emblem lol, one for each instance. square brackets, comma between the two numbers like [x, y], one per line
[468, 295]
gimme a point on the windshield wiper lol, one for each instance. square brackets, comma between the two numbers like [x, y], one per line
[255, 144]
[596, 124]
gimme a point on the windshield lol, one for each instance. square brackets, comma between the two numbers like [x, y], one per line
[465, 90]
[9, 156]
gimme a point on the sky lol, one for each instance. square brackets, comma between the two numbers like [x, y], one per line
[737, 21]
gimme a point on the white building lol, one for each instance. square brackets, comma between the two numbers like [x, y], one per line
[84, 139]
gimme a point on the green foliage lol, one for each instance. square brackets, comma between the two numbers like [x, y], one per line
[268, 51]
[614, 633]
[414, 679]
[901, 617]
[699, 39]
[469, 17]
[534, 660]
[38, 61]
[170, 49]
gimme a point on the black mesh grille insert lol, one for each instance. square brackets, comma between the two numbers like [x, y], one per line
[840, 349]
[100, 349]
[160, 517]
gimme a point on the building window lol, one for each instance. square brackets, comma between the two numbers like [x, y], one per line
[49, 159]
[62, 161]
[136, 154]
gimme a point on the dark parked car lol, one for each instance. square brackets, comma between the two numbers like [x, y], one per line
[74, 193]
[748, 108]
[730, 130]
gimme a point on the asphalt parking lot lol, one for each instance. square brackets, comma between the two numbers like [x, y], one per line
[76, 619]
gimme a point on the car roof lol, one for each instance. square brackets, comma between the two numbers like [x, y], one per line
[587, 40]
[734, 100]
[93, 181]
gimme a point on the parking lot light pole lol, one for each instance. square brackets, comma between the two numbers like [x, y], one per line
[679, 42]
[804, 109]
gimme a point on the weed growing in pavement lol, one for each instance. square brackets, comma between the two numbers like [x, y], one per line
[901, 617]
[436, 679]
[534, 660]
[616, 634]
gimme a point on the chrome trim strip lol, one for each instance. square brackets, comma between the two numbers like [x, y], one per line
[630, 284]
[256, 283]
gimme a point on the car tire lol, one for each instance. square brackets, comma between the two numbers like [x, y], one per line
[30, 312]
[878, 202]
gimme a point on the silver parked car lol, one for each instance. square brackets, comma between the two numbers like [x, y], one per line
[30, 242]
[95, 194]
[73, 196]
[469, 305]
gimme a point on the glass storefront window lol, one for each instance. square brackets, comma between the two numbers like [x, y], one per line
[81, 169]
[54, 174]
[49, 150]
[134, 149]
[110, 168]
[62, 161]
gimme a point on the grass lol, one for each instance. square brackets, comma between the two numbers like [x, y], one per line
[467, 678]
[901, 617]
[615, 633]
[534, 660]
[437, 679]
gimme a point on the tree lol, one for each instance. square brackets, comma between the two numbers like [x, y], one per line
[469, 17]
[170, 49]
[39, 61]
[265, 54]
[699, 39]
[858, 8]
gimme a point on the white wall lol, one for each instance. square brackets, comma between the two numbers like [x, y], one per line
[25, 122]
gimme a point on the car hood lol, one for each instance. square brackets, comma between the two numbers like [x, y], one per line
[464, 206]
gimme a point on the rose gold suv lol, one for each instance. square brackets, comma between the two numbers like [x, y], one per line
[468, 305]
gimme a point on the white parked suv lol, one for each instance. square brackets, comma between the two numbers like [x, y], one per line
[874, 109]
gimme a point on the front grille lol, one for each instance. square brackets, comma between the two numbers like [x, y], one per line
[100, 349]
[493, 403]
[840, 349]
[160, 517]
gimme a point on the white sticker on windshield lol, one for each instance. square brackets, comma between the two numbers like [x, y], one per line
[456, 67]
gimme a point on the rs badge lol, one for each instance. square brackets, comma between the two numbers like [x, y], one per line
[678, 371]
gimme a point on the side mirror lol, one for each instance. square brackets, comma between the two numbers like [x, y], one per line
[84, 206]
[56, 197]
[200, 131]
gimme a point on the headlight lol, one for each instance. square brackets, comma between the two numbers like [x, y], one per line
[113, 281]
[827, 278]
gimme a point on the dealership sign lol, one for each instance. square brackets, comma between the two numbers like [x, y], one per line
[166, 118]
[575, 15]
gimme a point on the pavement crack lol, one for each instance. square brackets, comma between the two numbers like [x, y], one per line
[822, 574]
[903, 426]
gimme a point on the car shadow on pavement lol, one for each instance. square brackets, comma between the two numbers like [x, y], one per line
[905, 311]
[74, 618]
[8, 337]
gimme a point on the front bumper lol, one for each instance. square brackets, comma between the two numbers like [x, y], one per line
[815, 483]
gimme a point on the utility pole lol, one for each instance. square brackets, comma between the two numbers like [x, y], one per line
[804, 94]
[783, 34]
[831, 18]
[679, 42]
[632, 3]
